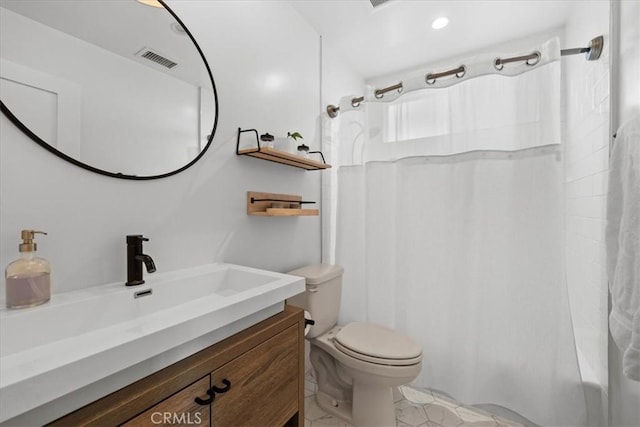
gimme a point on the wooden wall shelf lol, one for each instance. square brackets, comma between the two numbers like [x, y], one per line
[278, 156]
[272, 204]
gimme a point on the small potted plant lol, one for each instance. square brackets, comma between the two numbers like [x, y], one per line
[302, 150]
[295, 136]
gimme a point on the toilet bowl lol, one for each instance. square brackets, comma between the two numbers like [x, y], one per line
[357, 365]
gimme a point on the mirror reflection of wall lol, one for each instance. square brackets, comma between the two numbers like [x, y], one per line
[94, 95]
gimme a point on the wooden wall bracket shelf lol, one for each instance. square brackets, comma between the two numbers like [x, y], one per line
[278, 156]
[271, 204]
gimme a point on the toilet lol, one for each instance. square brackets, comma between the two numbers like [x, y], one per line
[357, 365]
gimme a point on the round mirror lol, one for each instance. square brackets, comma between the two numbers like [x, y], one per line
[117, 87]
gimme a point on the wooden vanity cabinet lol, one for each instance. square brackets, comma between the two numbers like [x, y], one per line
[259, 375]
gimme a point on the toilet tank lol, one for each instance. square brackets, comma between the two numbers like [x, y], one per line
[322, 297]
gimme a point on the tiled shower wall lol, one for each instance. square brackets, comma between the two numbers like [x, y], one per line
[586, 125]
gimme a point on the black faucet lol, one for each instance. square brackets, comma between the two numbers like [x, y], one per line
[135, 258]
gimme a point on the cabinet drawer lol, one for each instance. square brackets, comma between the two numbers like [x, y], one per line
[179, 409]
[264, 384]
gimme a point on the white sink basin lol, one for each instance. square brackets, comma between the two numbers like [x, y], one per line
[84, 336]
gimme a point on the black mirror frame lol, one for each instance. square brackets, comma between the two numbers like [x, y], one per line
[46, 146]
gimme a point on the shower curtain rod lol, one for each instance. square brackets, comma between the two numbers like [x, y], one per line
[593, 52]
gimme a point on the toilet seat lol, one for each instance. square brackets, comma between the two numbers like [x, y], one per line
[376, 344]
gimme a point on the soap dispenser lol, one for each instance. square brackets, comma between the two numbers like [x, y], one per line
[28, 279]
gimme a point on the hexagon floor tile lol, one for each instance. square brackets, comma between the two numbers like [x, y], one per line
[414, 408]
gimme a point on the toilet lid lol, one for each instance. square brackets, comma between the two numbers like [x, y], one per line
[377, 344]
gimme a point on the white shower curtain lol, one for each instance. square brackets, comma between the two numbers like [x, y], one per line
[463, 251]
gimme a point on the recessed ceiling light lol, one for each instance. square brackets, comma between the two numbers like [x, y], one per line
[439, 23]
[153, 3]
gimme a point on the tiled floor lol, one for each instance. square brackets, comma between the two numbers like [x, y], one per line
[414, 408]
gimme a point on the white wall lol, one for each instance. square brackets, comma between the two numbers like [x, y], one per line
[265, 61]
[266, 64]
[586, 157]
[624, 394]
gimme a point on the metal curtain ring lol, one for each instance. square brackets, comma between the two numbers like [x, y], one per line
[537, 59]
[497, 64]
[460, 74]
[378, 94]
[429, 80]
[355, 104]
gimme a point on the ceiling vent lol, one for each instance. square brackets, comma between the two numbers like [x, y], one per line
[153, 56]
[376, 3]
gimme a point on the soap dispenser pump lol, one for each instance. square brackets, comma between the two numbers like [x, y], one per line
[28, 279]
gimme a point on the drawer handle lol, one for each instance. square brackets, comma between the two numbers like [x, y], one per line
[208, 401]
[212, 393]
[227, 386]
